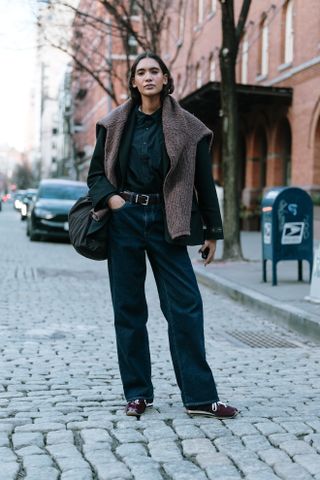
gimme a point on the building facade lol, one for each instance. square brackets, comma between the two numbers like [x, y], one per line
[278, 71]
[104, 49]
[52, 65]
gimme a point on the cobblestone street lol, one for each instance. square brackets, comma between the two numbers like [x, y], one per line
[61, 403]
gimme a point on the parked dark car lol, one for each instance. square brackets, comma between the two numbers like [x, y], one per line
[48, 215]
[27, 201]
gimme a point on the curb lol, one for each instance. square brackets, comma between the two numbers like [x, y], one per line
[292, 317]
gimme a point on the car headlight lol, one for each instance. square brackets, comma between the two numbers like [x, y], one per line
[42, 213]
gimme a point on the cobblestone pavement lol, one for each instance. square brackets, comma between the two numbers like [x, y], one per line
[61, 403]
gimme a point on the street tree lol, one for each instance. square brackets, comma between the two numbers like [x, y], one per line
[231, 37]
[95, 34]
[101, 37]
[22, 175]
[132, 24]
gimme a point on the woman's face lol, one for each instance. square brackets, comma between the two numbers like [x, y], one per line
[148, 78]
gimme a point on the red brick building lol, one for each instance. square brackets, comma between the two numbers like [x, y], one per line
[98, 44]
[278, 71]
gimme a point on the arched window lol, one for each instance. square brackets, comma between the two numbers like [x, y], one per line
[212, 68]
[244, 59]
[263, 46]
[198, 76]
[200, 11]
[132, 45]
[134, 8]
[288, 37]
[179, 84]
[168, 34]
[181, 27]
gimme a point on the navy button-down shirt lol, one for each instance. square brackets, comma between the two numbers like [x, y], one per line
[145, 169]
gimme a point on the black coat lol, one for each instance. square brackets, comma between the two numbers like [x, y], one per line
[206, 220]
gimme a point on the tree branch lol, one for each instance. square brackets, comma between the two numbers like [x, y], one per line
[242, 20]
[86, 69]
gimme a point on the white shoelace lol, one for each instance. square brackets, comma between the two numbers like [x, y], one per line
[215, 405]
[148, 404]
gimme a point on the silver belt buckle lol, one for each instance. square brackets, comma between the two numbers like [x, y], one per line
[146, 201]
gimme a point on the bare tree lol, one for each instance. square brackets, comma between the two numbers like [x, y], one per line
[22, 175]
[231, 36]
[91, 45]
[92, 42]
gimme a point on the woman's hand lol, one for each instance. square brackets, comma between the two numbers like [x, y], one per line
[211, 245]
[115, 202]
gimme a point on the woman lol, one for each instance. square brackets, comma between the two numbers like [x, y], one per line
[151, 166]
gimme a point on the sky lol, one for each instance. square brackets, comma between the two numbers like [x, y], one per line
[17, 70]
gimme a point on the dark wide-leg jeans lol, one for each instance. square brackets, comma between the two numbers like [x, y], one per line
[137, 230]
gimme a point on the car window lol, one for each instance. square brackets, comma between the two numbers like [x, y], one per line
[62, 192]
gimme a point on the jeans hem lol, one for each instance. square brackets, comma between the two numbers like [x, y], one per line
[196, 404]
[139, 397]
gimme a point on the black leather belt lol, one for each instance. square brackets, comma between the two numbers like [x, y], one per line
[141, 198]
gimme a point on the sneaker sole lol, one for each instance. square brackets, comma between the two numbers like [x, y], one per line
[207, 414]
[131, 414]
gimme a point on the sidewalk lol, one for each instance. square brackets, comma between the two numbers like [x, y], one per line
[243, 282]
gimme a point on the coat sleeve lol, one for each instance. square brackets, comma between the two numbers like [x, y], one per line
[100, 189]
[206, 193]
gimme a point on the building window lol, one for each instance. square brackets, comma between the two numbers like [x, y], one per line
[200, 11]
[179, 84]
[288, 31]
[167, 33]
[244, 59]
[132, 45]
[198, 76]
[263, 46]
[212, 69]
[181, 27]
[134, 9]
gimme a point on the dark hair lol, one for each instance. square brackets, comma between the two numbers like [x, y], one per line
[168, 88]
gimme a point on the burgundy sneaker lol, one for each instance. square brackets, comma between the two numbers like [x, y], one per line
[217, 410]
[137, 407]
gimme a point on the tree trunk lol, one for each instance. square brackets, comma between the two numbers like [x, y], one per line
[232, 247]
[230, 130]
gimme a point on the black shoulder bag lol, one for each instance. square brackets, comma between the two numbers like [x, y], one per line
[88, 230]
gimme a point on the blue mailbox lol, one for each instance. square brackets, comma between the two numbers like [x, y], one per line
[287, 228]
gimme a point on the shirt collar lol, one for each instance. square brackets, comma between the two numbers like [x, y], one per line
[143, 117]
